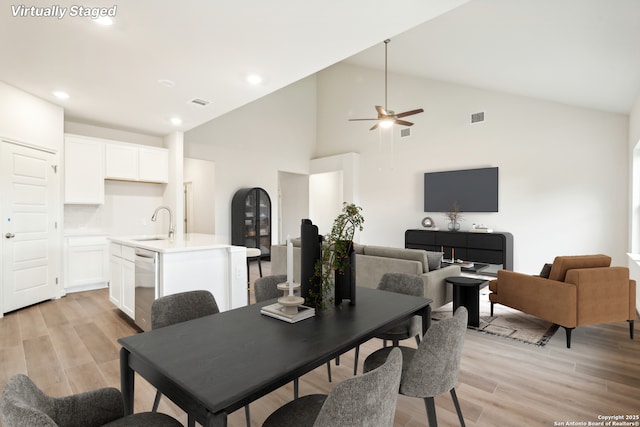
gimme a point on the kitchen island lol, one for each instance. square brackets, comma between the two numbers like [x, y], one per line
[144, 268]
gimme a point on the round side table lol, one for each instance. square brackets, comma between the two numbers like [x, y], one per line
[466, 293]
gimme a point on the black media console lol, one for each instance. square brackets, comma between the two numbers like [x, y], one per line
[491, 248]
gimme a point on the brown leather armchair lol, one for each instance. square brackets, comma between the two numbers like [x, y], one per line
[580, 290]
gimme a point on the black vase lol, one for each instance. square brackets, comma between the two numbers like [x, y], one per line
[310, 253]
[345, 279]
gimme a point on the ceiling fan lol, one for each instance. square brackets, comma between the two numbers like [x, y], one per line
[387, 118]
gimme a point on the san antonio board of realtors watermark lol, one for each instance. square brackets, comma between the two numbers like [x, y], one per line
[59, 12]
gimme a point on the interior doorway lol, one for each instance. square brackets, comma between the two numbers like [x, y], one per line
[199, 196]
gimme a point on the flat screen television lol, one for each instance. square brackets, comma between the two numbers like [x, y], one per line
[475, 190]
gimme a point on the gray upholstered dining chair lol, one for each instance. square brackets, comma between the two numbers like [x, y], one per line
[433, 367]
[365, 400]
[23, 404]
[402, 283]
[181, 307]
[266, 288]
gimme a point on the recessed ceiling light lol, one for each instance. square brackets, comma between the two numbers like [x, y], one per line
[104, 20]
[166, 83]
[254, 79]
[60, 94]
[176, 121]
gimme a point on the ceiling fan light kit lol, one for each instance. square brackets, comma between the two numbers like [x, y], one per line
[387, 118]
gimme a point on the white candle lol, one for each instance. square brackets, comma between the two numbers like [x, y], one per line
[290, 265]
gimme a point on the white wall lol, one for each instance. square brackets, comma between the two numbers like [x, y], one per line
[563, 170]
[253, 143]
[110, 133]
[31, 120]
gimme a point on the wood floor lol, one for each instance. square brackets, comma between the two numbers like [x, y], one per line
[70, 345]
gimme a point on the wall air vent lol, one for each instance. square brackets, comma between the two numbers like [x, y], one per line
[200, 102]
[477, 117]
[405, 132]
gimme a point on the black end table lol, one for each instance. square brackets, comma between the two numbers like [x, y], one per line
[466, 293]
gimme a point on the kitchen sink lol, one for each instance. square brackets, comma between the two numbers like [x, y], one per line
[149, 239]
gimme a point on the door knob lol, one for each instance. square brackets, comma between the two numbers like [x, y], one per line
[9, 235]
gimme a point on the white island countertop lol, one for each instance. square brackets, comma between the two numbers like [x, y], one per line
[185, 243]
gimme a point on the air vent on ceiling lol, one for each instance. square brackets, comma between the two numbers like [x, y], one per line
[477, 117]
[200, 102]
[405, 132]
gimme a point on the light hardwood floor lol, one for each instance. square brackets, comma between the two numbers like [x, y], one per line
[70, 345]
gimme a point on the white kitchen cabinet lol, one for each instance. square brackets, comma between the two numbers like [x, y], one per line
[122, 285]
[132, 162]
[83, 170]
[121, 161]
[153, 164]
[87, 262]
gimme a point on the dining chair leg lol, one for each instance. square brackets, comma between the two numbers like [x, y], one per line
[247, 415]
[296, 390]
[430, 404]
[156, 402]
[454, 396]
[191, 422]
[329, 370]
[355, 363]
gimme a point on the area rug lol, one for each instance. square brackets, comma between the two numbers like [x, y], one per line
[506, 322]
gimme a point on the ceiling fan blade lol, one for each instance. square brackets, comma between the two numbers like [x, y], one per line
[375, 126]
[381, 111]
[403, 123]
[410, 113]
[357, 120]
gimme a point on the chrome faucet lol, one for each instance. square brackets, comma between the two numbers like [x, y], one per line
[172, 228]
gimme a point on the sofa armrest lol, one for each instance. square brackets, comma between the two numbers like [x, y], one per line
[551, 300]
[602, 294]
[435, 286]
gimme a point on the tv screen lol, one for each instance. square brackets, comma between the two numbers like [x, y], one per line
[474, 190]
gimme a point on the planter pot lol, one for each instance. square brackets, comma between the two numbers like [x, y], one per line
[345, 281]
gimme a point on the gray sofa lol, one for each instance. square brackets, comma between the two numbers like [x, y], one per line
[373, 261]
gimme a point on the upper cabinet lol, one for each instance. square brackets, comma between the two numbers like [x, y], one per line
[89, 161]
[153, 164]
[131, 162]
[84, 170]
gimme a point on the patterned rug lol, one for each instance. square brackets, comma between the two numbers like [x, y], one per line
[506, 322]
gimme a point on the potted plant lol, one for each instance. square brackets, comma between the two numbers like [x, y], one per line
[336, 267]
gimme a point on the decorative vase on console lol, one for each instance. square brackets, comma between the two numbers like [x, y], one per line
[454, 217]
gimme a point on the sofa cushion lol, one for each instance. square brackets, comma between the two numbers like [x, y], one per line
[562, 264]
[399, 253]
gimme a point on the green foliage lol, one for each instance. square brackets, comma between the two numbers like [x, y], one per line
[336, 247]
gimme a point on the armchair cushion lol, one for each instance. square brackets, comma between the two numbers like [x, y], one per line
[562, 264]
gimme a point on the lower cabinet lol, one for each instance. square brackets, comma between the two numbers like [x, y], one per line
[122, 284]
[86, 263]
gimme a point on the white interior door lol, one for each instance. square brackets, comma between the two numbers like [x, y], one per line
[30, 249]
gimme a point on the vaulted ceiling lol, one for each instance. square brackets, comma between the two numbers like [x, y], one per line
[160, 55]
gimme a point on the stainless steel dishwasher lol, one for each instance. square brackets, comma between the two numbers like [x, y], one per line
[146, 281]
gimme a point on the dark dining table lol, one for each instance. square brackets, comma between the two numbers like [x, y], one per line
[214, 365]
